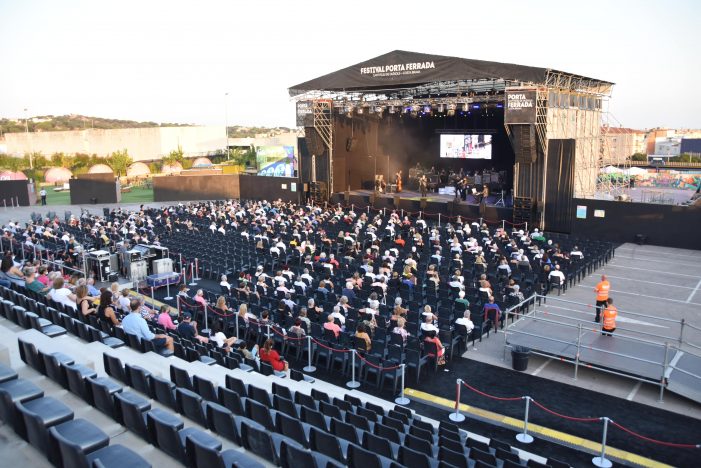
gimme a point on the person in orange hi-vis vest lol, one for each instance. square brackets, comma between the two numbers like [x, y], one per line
[602, 294]
[609, 318]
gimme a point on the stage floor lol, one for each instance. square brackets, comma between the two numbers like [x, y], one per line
[492, 200]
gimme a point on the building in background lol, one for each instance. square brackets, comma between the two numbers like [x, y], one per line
[622, 143]
[143, 144]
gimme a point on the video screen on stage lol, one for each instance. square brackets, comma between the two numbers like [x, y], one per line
[465, 146]
[276, 161]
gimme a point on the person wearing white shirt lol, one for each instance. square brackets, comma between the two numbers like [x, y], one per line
[336, 314]
[556, 273]
[466, 322]
[576, 253]
[307, 277]
[225, 282]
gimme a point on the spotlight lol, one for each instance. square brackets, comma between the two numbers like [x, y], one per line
[392, 110]
[466, 107]
[441, 108]
[427, 109]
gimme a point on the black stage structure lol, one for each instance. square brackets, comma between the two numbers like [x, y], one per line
[389, 114]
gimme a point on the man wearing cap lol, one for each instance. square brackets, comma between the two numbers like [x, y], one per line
[135, 324]
[187, 329]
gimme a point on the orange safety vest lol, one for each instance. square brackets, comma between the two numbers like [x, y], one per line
[610, 313]
[602, 290]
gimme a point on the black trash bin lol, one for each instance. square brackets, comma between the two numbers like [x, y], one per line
[519, 358]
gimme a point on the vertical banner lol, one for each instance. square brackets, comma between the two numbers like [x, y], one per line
[520, 106]
[304, 114]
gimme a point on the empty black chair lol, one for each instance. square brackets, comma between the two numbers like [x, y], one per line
[47, 328]
[353, 400]
[304, 399]
[235, 384]
[285, 406]
[412, 458]
[557, 463]
[366, 413]
[162, 391]
[282, 390]
[205, 388]
[292, 457]
[231, 401]
[29, 355]
[388, 433]
[451, 444]
[476, 444]
[202, 455]
[360, 458]
[181, 378]
[16, 391]
[104, 338]
[394, 423]
[457, 459]
[168, 434]
[482, 456]
[315, 418]
[139, 379]
[114, 368]
[378, 445]
[260, 395]
[359, 422]
[102, 391]
[496, 443]
[330, 410]
[220, 420]
[76, 375]
[534, 464]
[260, 414]
[82, 434]
[74, 456]
[38, 415]
[131, 411]
[344, 430]
[189, 404]
[258, 440]
[54, 368]
[504, 455]
[320, 396]
[376, 408]
[292, 428]
[418, 444]
[399, 415]
[421, 434]
[327, 444]
[342, 404]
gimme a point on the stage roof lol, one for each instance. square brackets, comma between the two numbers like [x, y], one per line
[402, 69]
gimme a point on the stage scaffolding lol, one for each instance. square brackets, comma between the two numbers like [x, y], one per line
[323, 124]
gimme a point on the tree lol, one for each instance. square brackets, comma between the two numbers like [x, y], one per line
[175, 156]
[119, 161]
[639, 157]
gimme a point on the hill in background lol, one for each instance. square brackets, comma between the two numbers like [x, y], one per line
[55, 123]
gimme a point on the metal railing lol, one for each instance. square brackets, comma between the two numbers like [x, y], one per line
[666, 365]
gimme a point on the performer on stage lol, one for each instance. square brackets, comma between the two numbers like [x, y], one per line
[484, 194]
[464, 188]
[423, 185]
[398, 181]
[380, 183]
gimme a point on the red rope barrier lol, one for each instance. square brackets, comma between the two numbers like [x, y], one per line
[376, 366]
[655, 441]
[491, 396]
[571, 418]
[332, 349]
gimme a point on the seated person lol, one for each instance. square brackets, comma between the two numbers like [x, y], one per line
[135, 324]
[187, 329]
[363, 335]
[465, 321]
[331, 325]
[492, 311]
[270, 355]
[164, 318]
[243, 349]
[220, 338]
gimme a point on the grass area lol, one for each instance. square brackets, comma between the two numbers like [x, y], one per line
[136, 195]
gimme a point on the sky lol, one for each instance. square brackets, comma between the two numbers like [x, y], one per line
[175, 61]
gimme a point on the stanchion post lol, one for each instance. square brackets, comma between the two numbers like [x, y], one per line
[524, 437]
[457, 416]
[206, 321]
[197, 270]
[168, 296]
[503, 225]
[309, 367]
[601, 461]
[576, 356]
[152, 299]
[237, 326]
[681, 332]
[526, 226]
[664, 372]
[353, 383]
[480, 222]
[439, 220]
[192, 275]
[401, 399]
[182, 272]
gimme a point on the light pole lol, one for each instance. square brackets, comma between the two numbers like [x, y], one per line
[26, 130]
[226, 124]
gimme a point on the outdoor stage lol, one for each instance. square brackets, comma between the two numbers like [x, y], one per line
[435, 203]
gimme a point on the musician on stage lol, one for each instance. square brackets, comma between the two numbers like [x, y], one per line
[484, 194]
[380, 183]
[464, 188]
[423, 185]
[398, 181]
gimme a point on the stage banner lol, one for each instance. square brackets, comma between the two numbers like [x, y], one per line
[305, 114]
[520, 106]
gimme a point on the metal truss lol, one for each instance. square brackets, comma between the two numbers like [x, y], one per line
[323, 124]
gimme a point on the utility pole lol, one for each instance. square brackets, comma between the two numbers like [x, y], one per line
[26, 129]
[226, 124]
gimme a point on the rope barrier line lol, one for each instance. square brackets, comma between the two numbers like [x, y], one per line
[383, 369]
[490, 396]
[330, 348]
[655, 441]
[564, 416]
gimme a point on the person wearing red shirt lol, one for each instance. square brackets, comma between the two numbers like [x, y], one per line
[399, 241]
[269, 355]
[331, 325]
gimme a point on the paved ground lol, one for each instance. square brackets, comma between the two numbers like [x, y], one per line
[658, 282]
